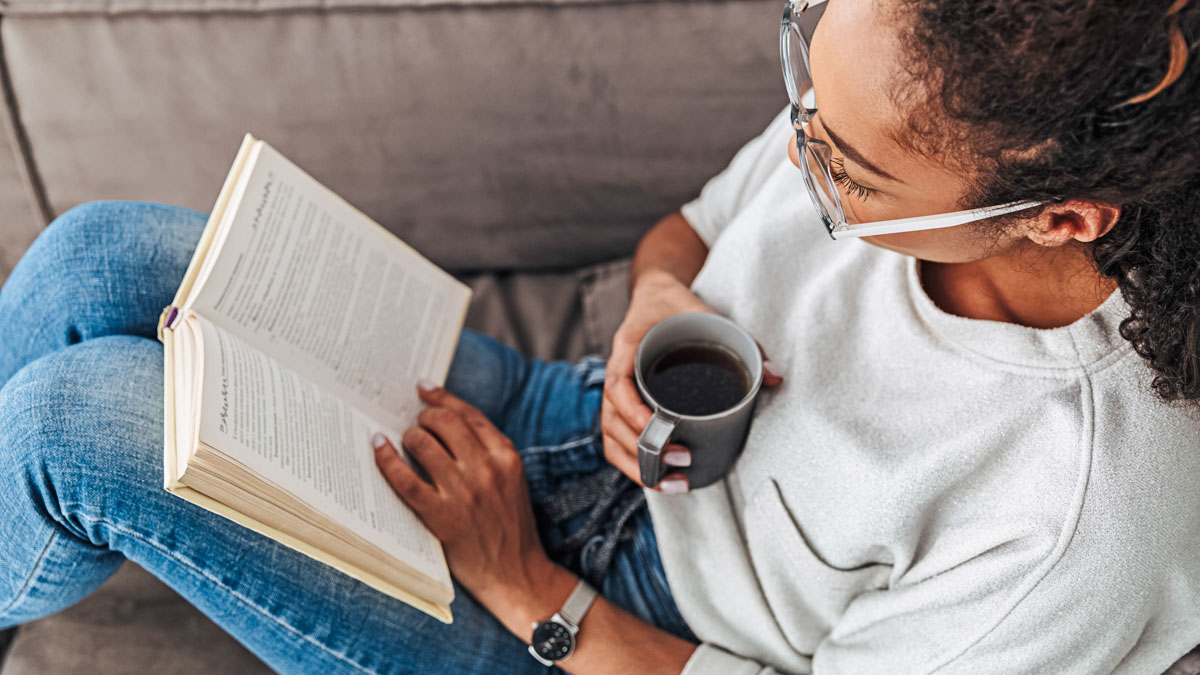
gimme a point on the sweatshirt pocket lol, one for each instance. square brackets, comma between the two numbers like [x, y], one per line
[806, 595]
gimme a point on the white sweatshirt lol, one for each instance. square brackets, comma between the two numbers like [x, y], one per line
[925, 492]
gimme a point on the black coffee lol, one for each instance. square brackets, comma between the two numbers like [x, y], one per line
[697, 378]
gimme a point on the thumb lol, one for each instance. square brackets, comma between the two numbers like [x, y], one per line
[772, 372]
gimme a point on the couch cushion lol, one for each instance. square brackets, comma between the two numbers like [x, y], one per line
[535, 313]
[1188, 665]
[31, 7]
[487, 135]
[131, 624]
[553, 315]
[21, 211]
[604, 292]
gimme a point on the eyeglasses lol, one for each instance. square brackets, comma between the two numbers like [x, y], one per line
[816, 156]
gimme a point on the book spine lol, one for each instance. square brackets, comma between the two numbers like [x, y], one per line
[167, 319]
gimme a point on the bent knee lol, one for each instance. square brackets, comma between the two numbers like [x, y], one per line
[124, 228]
[95, 405]
[103, 257]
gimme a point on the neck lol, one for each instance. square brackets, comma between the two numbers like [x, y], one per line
[1031, 286]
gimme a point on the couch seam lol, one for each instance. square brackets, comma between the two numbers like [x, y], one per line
[31, 178]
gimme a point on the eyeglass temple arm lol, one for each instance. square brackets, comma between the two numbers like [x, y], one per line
[927, 222]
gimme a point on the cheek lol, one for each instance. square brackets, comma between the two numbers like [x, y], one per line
[946, 245]
[793, 154]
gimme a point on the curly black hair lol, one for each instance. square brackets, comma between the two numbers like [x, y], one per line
[1036, 92]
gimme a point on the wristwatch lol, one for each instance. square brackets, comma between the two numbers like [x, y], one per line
[554, 638]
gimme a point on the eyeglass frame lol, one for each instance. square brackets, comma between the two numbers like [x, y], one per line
[822, 153]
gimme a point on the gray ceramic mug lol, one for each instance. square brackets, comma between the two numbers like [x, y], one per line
[715, 440]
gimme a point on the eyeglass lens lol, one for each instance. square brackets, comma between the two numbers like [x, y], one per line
[818, 177]
[797, 64]
[818, 163]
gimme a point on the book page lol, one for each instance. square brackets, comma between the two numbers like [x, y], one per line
[315, 283]
[307, 441]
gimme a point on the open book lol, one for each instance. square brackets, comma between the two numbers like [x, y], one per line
[300, 329]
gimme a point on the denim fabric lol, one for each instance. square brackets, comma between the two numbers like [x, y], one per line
[81, 437]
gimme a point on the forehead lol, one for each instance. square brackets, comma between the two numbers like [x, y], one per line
[859, 81]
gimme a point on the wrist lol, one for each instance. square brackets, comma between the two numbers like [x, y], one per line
[653, 275]
[542, 589]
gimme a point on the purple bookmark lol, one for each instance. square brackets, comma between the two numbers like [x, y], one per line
[170, 322]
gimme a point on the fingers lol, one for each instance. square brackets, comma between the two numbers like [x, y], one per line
[432, 455]
[614, 425]
[623, 414]
[480, 425]
[677, 455]
[772, 372]
[626, 437]
[620, 390]
[620, 447]
[673, 483]
[620, 443]
[619, 385]
[451, 429]
[404, 480]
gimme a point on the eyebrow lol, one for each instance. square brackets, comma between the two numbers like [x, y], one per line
[849, 151]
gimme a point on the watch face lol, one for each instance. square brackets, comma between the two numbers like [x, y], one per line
[552, 641]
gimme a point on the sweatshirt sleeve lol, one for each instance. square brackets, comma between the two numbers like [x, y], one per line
[727, 192]
[708, 659]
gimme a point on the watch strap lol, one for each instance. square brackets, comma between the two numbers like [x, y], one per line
[578, 603]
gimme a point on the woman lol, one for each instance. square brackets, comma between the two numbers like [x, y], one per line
[978, 455]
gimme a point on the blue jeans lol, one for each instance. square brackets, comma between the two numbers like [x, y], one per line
[81, 436]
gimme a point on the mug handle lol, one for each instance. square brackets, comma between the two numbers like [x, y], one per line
[650, 446]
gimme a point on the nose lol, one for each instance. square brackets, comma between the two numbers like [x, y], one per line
[793, 154]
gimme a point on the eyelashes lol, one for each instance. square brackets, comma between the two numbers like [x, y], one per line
[852, 188]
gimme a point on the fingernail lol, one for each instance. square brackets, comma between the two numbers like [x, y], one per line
[379, 440]
[673, 486]
[773, 369]
[425, 385]
[678, 458]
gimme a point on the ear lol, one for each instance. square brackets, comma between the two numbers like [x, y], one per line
[1074, 220]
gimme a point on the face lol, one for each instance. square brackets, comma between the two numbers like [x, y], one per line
[854, 56]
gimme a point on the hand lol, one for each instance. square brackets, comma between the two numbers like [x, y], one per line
[656, 295]
[478, 503]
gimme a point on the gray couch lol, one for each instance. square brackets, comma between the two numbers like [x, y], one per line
[524, 145]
